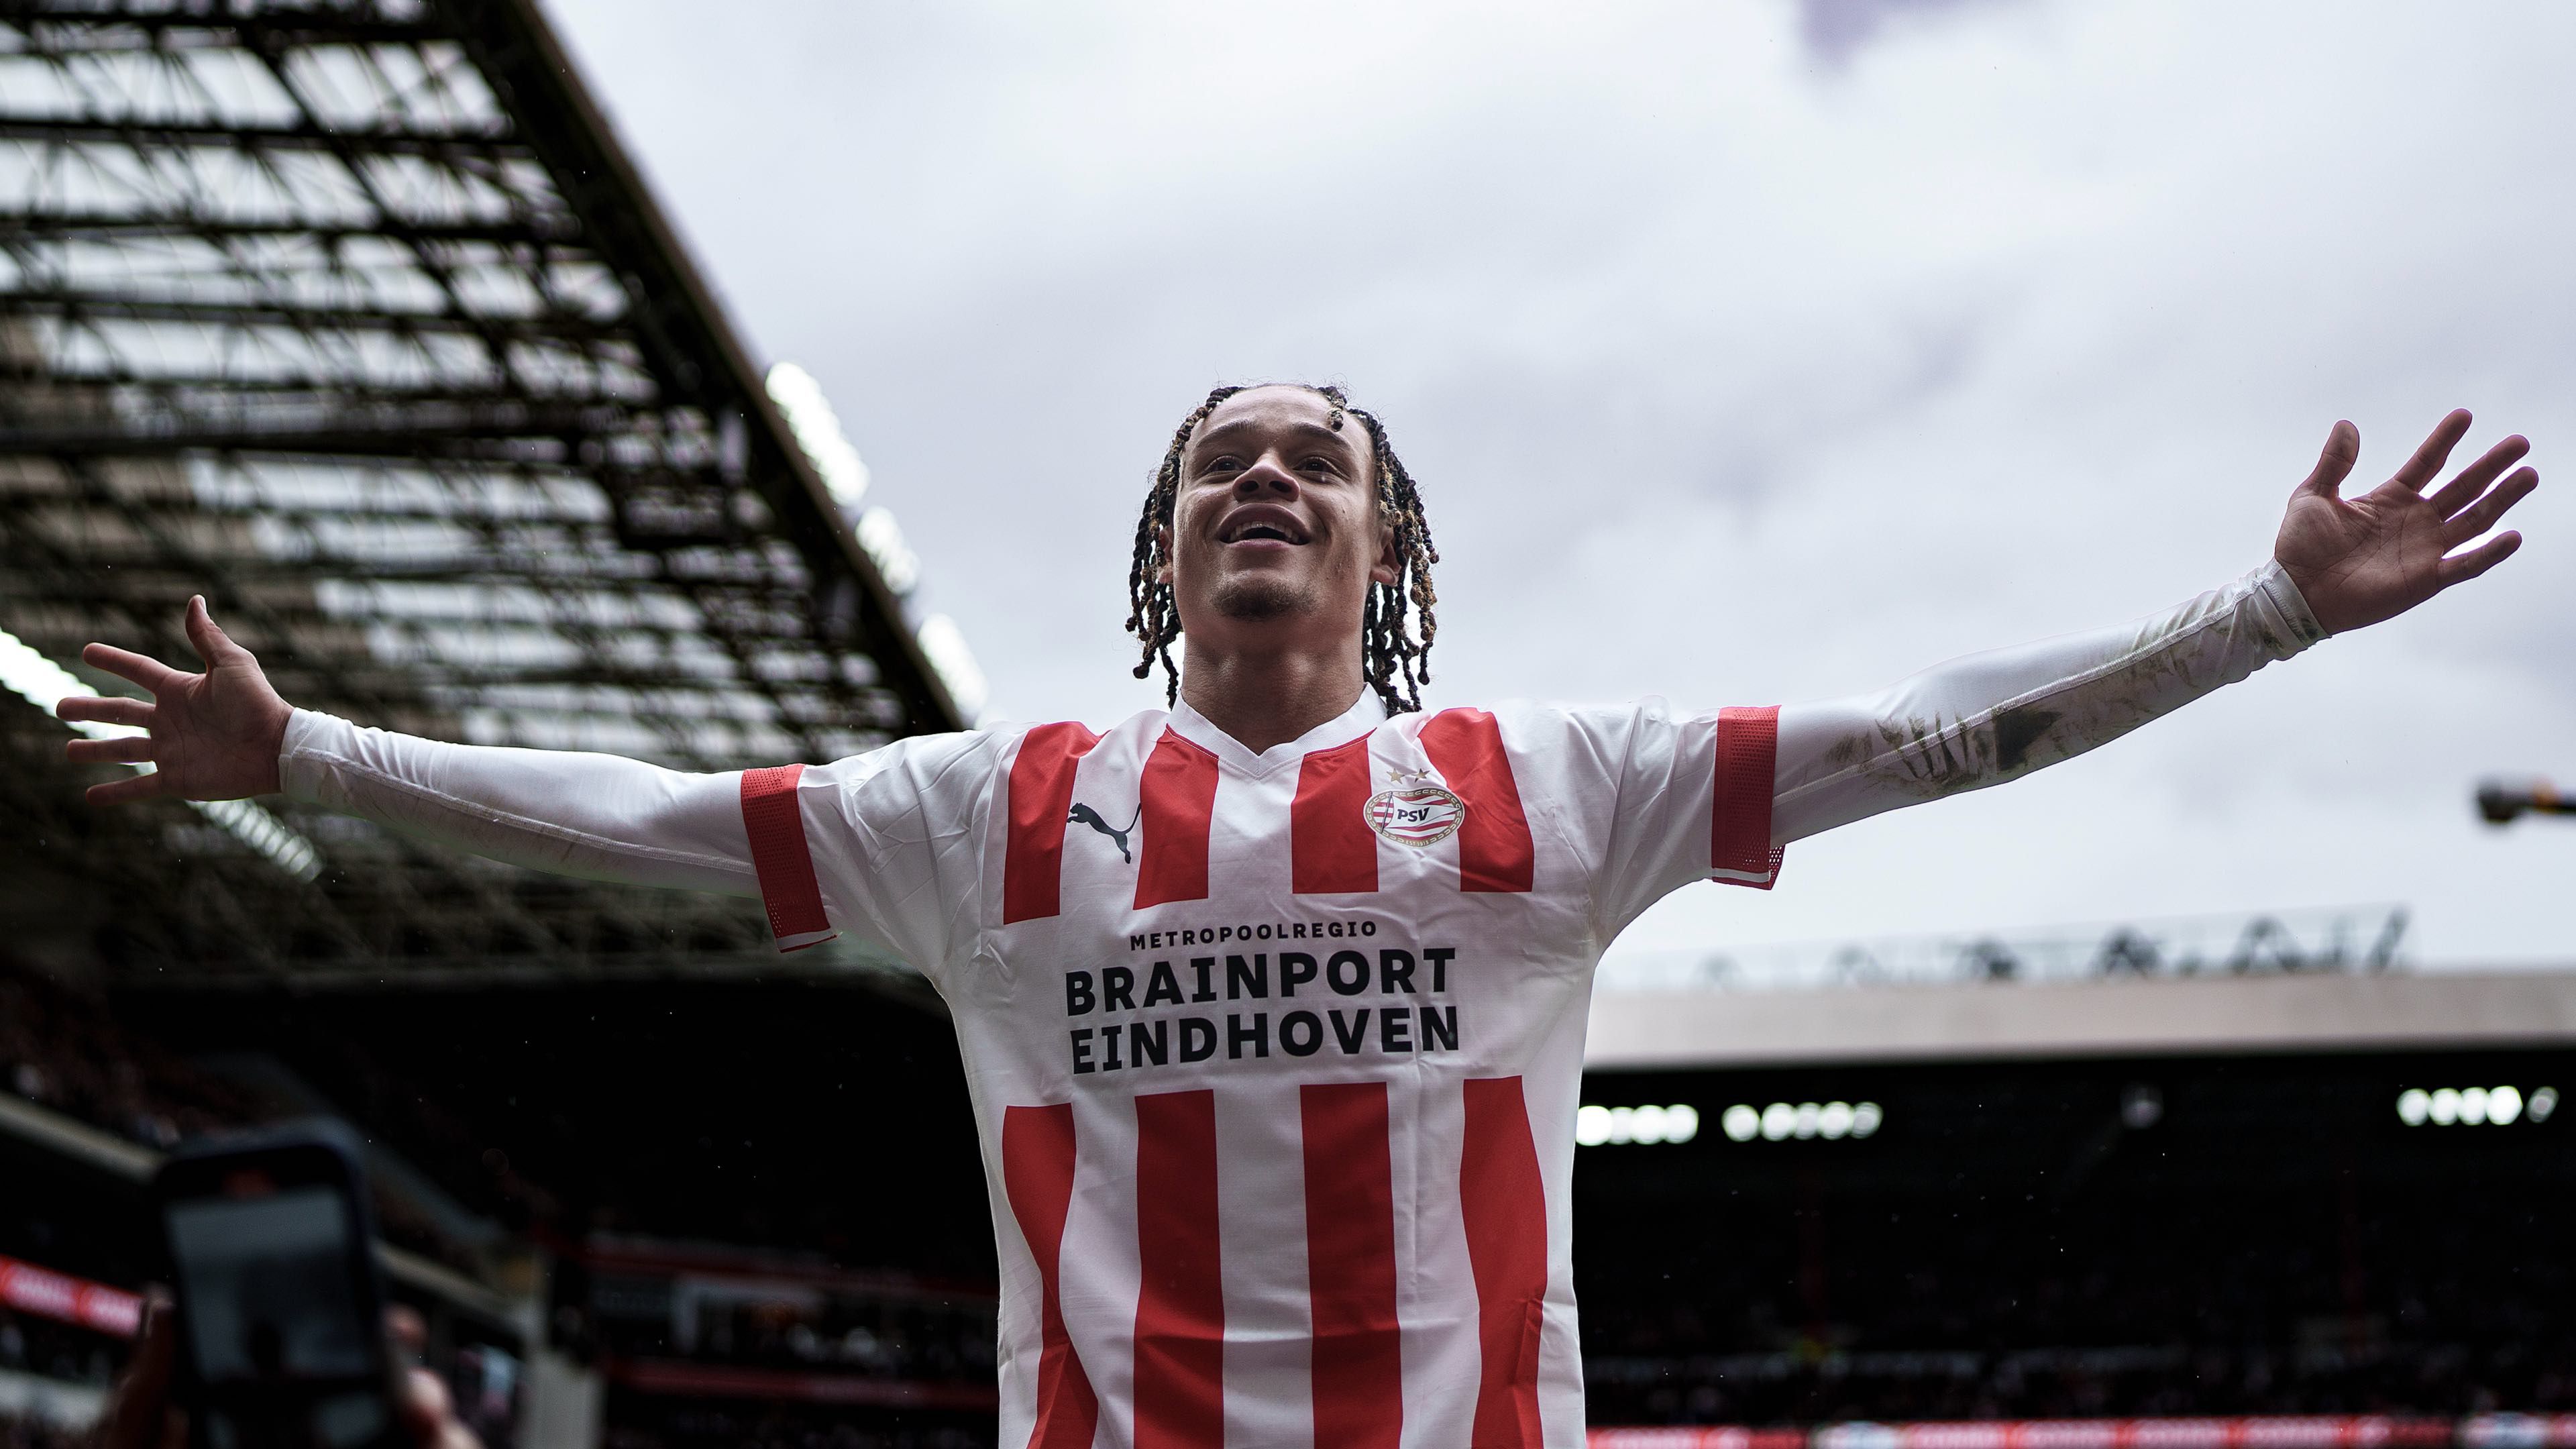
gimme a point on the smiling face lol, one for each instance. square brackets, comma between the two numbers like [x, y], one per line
[1276, 528]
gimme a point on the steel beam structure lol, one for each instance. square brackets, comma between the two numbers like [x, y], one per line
[353, 316]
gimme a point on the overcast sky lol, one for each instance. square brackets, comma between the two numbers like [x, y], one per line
[1745, 352]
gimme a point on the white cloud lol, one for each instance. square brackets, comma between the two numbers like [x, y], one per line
[1738, 363]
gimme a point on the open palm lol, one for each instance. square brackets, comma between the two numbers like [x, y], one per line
[211, 736]
[2360, 560]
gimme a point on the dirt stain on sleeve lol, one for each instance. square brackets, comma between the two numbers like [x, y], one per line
[2016, 730]
[1928, 753]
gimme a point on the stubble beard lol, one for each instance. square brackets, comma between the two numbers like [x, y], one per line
[1259, 598]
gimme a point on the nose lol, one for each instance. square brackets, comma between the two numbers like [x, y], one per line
[1266, 478]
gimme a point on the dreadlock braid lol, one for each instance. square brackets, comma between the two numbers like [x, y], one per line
[1151, 614]
[1395, 657]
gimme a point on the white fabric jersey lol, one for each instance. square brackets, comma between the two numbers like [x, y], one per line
[1276, 1056]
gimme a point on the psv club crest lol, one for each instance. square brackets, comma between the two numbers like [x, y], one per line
[1414, 811]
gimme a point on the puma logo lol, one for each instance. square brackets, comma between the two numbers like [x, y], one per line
[1088, 816]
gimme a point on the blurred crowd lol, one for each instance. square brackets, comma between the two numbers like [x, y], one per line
[57, 1351]
[2437, 1288]
[21, 1433]
[66, 1051]
[2074, 1383]
[63, 1050]
[695, 1425]
[840, 1333]
[2138, 1331]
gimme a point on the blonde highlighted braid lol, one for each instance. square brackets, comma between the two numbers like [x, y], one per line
[1395, 656]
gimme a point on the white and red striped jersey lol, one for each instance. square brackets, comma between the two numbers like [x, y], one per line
[1275, 1055]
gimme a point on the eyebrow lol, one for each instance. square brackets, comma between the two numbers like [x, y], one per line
[1312, 432]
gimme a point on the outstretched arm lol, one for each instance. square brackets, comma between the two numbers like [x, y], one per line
[226, 734]
[2338, 564]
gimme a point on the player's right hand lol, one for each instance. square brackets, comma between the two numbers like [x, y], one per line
[210, 736]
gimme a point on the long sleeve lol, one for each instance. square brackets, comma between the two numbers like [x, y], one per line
[1987, 718]
[595, 816]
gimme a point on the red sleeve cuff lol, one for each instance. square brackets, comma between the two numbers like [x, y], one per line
[1740, 851]
[787, 885]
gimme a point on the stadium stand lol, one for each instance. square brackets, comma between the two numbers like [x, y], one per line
[356, 318]
[721, 1111]
[760, 1195]
[2251, 1190]
[91, 1104]
[721, 1346]
[62, 1050]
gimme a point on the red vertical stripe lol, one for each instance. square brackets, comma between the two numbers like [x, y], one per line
[1494, 850]
[1506, 1215]
[1037, 1175]
[778, 854]
[1180, 1305]
[1350, 1266]
[1739, 828]
[1330, 846]
[1041, 796]
[1179, 794]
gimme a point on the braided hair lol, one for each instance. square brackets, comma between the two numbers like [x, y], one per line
[1395, 657]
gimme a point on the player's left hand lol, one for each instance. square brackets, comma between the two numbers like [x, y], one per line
[2360, 560]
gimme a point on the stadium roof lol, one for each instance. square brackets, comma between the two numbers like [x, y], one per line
[2116, 1015]
[356, 318]
[2333, 978]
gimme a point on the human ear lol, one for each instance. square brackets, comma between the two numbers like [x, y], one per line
[1163, 550]
[1390, 564]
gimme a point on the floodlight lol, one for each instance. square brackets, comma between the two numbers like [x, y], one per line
[2504, 1105]
[1681, 1122]
[1591, 1126]
[1742, 1122]
[2413, 1106]
[1778, 1121]
[2446, 1106]
[882, 537]
[1865, 1119]
[1835, 1121]
[2544, 1100]
[818, 433]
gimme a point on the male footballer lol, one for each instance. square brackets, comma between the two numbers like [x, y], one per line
[1272, 1003]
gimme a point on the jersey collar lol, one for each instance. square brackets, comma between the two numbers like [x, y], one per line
[1365, 715]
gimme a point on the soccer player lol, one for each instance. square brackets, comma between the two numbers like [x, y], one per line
[1272, 1004]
